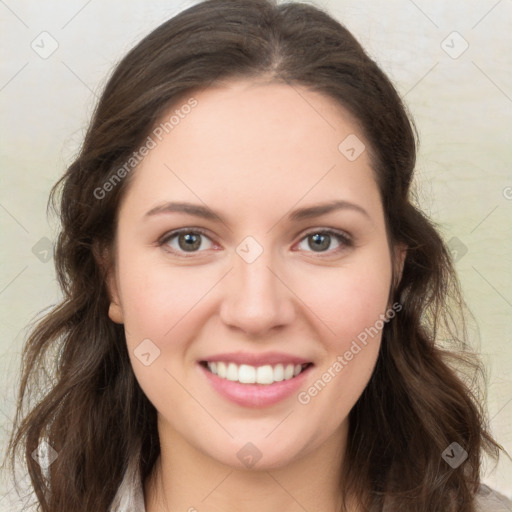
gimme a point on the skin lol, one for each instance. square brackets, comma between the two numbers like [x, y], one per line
[251, 152]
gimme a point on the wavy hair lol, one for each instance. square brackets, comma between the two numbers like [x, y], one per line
[90, 408]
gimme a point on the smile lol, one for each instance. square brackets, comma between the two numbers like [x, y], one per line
[247, 374]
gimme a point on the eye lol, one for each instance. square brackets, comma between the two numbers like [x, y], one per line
[185, 240]
[320, 240]
[190, 240]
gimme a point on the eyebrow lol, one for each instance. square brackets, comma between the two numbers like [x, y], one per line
[297, 215]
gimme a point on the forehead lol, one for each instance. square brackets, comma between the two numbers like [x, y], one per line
[259, 120]
[259, 142]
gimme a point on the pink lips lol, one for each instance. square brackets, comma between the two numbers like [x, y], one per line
[255, 395]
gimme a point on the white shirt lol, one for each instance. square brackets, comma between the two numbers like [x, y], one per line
[130, 496]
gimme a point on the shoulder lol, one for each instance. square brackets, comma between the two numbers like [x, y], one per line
[489, 500]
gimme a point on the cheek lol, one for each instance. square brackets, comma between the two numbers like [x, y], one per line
[354, 312]
[161, 308]
[350, 300]
[157, 297]
[164, 310]
[354, 306]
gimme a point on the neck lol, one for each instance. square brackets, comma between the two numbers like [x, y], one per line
[185, 479]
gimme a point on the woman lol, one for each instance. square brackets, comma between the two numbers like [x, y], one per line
[253, 307]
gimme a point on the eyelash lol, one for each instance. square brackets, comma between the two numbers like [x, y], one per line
[344, 240]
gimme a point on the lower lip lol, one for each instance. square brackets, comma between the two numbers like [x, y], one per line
[255, 395]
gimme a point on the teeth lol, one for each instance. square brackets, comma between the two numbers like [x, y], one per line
[232, 372]
[278, 372]
[247, 374]
[221, 369]
[265, 374]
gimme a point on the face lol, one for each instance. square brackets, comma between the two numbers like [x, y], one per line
[279, 264]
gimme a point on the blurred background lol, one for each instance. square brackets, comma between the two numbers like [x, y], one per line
[450, 61]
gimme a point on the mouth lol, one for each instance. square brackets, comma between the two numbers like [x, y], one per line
[247, 374]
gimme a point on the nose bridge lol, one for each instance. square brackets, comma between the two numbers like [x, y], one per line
[256, 300]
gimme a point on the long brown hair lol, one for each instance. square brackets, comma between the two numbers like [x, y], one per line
[92, 411]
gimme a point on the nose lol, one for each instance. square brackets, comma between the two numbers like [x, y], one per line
[257, 298]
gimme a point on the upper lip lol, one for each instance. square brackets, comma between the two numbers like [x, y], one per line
[271, 358]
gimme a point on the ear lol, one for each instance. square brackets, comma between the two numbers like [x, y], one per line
[105, 261]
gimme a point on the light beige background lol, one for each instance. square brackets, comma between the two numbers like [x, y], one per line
[462, 105]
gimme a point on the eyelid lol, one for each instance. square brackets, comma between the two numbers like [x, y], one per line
[344, 237]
